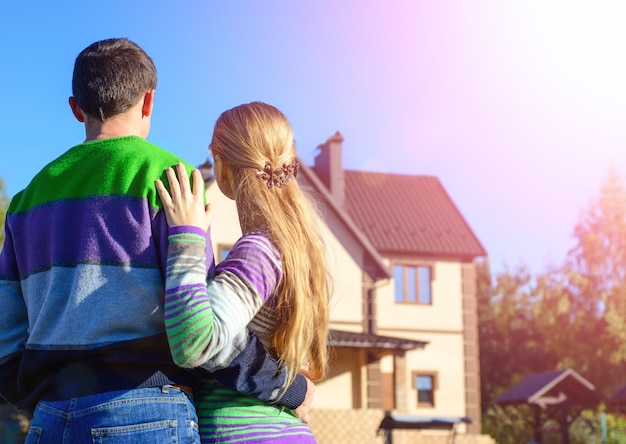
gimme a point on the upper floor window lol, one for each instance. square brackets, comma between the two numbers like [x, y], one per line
[223, 251]
[413, 283]
[424, 383]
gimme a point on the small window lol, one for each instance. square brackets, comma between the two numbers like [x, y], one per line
[424, 383]
[223, 252]
[413, 284]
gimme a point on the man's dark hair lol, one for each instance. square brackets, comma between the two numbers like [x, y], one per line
[110, 76]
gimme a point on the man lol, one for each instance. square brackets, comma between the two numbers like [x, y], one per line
[82, 342]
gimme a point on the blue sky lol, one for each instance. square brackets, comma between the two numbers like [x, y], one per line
[518, 108]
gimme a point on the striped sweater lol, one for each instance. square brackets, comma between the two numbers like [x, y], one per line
[82, 280]
[207, 323]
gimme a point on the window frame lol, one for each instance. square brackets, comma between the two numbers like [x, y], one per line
[434, 382]
[412, 280]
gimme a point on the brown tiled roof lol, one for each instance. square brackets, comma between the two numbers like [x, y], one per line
[406, 214]
[374, 264]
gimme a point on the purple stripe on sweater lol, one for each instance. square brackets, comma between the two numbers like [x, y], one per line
[263, 439]
[292, 438]
[251, 272]
[172, 313]
[187, 229]
[271, 423]
[187, 287]
[112, 229]
[159, 234]
[253, 259]
[248, 430]
[183, 302]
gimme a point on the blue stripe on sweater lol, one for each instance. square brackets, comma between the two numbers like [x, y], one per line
[125, 300]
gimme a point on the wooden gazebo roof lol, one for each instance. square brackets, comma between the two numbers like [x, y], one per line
[564, 387]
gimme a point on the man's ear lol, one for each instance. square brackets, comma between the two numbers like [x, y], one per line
[148, 103]
[78, 113]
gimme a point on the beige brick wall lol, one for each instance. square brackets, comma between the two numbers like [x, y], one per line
[360, 427]
[470, 336]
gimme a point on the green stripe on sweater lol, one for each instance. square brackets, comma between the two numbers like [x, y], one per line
[104, 173]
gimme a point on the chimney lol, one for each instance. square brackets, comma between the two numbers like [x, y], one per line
[328, 167]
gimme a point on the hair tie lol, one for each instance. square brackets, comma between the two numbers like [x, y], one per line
[279, 176]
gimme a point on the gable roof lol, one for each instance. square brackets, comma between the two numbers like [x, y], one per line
[552, 388]
[407, 214]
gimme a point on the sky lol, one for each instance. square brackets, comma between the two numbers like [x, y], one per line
[519, 108]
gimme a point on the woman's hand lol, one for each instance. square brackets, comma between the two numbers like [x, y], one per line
[184, 206]
[303, 410]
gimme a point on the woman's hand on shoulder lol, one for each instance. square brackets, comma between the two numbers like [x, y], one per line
[185, 206]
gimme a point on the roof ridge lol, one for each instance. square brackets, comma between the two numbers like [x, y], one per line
[391, 173]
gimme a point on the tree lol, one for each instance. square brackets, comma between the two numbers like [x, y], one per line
[511, 348]
[597, 276]
[511, 341]
[4, 204]
[581, 307]
[572, 316]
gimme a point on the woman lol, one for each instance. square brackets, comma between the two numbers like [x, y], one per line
[277, 269]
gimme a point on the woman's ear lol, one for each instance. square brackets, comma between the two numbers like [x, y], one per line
[224, 177]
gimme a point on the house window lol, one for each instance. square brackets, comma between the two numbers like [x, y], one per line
[424, 383]
[223, 251]
[413, 283]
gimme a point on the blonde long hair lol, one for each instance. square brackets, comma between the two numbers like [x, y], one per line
[245, 138]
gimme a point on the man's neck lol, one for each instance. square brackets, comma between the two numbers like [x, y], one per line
[129, 123]
[108, 133]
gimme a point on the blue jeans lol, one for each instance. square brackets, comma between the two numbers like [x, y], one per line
[162, 415]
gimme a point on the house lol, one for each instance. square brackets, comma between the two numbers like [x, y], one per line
[404, 332]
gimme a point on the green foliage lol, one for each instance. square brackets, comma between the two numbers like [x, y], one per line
[572, 316]
[587, 297]
[508, 425]
[513, 425]
[4, 204]
[512, 344]
[616, 429]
